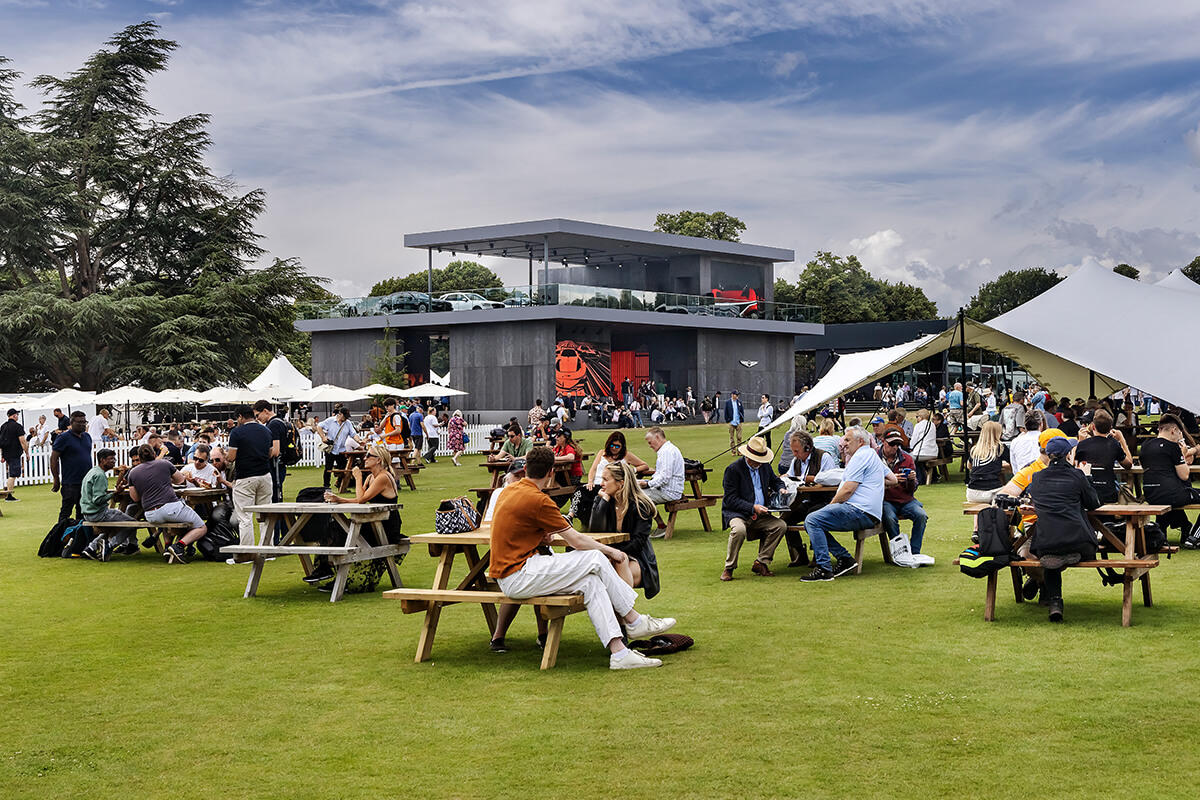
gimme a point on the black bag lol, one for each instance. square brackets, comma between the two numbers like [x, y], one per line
[317, 528]
[972, 562]
[663, 644]
[290, 450]
[581, 504]
[692, 465]
[52, 545]
[220, 534]
[75, 538]
[994, 536]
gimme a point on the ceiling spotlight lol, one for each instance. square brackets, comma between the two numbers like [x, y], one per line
[453, 253]
[504, 252]
[491, 245]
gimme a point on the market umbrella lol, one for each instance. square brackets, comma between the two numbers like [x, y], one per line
[376, 389]
[328, 393]
[128, 396]
[63, 397]
[235, 395]
[182, 396]
[431, 390]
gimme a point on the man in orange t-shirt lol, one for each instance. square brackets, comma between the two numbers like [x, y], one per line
[525, 519]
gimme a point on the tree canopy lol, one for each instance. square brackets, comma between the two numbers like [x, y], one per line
[1008, 291]
[846, 292]
[702, 224]
[1127, 271]
[457, 276]
[1192, 270]
[122, 256]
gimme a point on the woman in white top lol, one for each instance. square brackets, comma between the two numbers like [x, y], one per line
[430, 425]
[923, 444]
[766, 413]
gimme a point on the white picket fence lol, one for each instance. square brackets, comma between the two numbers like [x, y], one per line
[35, 467]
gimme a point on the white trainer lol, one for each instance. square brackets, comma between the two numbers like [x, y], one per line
[922, 559]
[632, 660]
[648, 626]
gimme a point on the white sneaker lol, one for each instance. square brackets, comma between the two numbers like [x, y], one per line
[632, 660]
[648, 626]
[922, 559]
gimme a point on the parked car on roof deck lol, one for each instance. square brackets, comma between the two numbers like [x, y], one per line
[469, 301]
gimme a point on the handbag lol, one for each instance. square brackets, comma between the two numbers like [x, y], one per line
[456, 515]
[466, 437]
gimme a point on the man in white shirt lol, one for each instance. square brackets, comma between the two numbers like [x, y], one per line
[1025, 449]
[41, 433]
[98, 427]
[667, 482]
[858, 505]
[199, 472]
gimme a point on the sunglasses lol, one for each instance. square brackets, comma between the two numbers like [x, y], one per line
[200, 460]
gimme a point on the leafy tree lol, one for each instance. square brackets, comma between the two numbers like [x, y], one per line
[1192, 270]
[1009, 291]
[705, 225]
[457, 276]
[1127, 271]
[385, 363]
[123, 256]
[846, 292]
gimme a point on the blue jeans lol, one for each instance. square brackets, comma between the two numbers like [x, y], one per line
[894, 512]
[833, 517]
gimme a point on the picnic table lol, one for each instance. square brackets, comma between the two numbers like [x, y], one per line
[353, 518]
[160, 536]
[1133, 476]
[1135, 562]
[697, 500]
[477, 587]
[401, 467]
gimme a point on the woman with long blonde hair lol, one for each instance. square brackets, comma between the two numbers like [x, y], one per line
[987, 464]
[622, 506]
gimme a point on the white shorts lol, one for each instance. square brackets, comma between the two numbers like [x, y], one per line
[982, 495]
[178, 511]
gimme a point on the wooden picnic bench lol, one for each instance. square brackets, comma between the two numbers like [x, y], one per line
[477, 588]
[4, 493]
[860, 539]
[1135, 562]
[163, 534]
[697, 500]
[353, 518]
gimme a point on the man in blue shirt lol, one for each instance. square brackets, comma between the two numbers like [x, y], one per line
[735, 413]
[858, 505]
[954, 407]
[748, 482]
[73, 451]
[415, 425]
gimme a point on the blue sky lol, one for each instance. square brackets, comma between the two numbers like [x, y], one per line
[941, 142]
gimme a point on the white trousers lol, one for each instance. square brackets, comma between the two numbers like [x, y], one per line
[255, 491]
[586, 572]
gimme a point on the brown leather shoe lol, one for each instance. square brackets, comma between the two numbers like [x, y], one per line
[727, 575]
[759, 568]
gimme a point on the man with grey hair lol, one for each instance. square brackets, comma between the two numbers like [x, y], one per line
[858, 505]
[666, 484]
[801, 462]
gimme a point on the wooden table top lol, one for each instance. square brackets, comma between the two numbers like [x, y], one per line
[323, 508]
[1116, 509]
[483, 537]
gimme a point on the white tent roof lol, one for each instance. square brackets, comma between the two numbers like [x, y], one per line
[328, 393]
[1050, 337]
[128, 394]
[281, 374]
[1178, 281]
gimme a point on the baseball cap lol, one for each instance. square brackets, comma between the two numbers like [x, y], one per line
[877, 420]
[11, 411]
[1048, 434]
[1060, 445]
[893, 437]
[518, 465]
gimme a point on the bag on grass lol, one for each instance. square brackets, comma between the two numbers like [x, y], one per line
[52, 545]
[663, 644]
[456, 515]
[75, 538]
[977, 565]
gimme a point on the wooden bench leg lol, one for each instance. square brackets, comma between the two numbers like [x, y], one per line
[408, 478]
[1127, 603]
[989, 602]
[704, 518]
[670, 525]
[256, 568]
[886, 547]
[428, 631]
[553, 637]
[858, 554]
[1147, 599]
[339, 583]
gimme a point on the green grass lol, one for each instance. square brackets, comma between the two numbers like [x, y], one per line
[138, 680]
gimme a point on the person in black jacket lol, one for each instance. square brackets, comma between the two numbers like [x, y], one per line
[748, 482]
[1063, 536]
[622, 506]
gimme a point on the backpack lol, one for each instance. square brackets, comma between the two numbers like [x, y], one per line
[220, 533]
[74, 539]
[6, 438]
[974, 563]
[692, 465]
[289, 450]
[994, 536]
[52, 545]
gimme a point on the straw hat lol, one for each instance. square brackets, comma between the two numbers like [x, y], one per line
[756, 450]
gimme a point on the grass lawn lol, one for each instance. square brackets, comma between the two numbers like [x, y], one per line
[135, 679]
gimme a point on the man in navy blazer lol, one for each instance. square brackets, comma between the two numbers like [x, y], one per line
[748, 482]
[735, 415]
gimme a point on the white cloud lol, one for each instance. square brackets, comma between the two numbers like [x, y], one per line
[1192, 140]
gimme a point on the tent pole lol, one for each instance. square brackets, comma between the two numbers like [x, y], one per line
[1091, 383]
[429, 274]
[962, 345]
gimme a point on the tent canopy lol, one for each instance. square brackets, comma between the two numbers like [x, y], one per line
[282, 375]
[1051, 339]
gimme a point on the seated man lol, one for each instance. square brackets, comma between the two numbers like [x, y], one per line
[1103, 451]
[1014, 488]
[858, 505]
[93, 500]
[1167, 460]
[748, 482]
[200, 472]
[150, 483]
[526, 519]
[1024, 448]
[899, 503]
[516, 446]
[667, 482]
[802, 462]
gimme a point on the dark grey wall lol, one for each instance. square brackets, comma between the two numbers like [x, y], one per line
[505, 366]
[719, 367]
[344, 358]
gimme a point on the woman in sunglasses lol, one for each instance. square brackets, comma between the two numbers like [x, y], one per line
[615, 451]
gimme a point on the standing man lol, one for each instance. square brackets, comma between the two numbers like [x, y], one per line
[394, 428]
[717, 406]
[858, 505]
[252, 448]
[954, 407]
[667, 482]
[13, 445]
[1012, 418]
[279, 433]
[416, 430]
[747, 483]
[73, 450]
[735, 413]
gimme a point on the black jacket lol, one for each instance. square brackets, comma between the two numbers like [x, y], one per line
[739, 489]
[1061, 493]
[639, 547]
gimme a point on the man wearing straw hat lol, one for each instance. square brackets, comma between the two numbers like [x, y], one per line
[748, 482]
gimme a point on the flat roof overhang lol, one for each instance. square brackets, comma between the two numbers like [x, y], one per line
[575, 242]
[448, 320]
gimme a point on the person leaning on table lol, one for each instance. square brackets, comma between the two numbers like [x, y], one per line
[1166, 460]
[525, 520]
[1063, 536]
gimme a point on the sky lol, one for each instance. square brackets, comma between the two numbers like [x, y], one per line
[942, 142]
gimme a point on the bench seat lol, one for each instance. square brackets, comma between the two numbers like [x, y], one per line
[860, 538]
[286, 550]
[553, 608]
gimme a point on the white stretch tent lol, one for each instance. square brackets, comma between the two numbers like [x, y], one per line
[1051, 338]
[1179, 282]
[281, 375]
[431, 390]
[328, 393]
